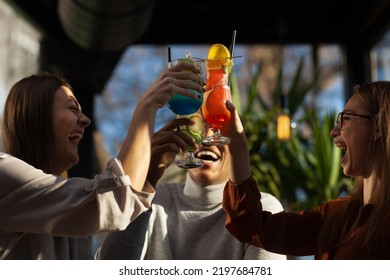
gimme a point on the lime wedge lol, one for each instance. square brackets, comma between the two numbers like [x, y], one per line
[197, 129]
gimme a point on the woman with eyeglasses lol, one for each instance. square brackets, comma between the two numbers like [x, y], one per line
[356, 226]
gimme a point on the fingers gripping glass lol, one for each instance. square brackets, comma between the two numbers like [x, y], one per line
[340, 118]
[197, 132]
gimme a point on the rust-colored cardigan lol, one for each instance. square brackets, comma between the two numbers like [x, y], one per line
[292, 234]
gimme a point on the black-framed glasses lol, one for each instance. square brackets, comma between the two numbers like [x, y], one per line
[340, 118]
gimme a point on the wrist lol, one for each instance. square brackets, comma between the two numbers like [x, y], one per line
[247, 180]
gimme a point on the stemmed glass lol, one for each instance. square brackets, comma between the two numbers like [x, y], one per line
[181, 104]
[197, 132]
[217, 92]
[185, 106]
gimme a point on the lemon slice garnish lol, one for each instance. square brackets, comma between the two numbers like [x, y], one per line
[218, 51]
[216, 57]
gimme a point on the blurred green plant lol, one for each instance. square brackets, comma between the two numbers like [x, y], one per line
[303, 171]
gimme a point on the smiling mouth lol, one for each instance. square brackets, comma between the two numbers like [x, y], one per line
[75, 138]
[207, 155]
[342, 147]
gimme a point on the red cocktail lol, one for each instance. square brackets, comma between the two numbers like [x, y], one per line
[217, 92]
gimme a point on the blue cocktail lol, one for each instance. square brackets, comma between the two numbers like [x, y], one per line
[185, 105]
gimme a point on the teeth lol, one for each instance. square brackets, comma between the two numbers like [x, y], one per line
[75, 137]
[207, 154]
[341, 146]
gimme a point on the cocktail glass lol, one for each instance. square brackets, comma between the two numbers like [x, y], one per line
[217, 92]
[197, 132]
[181, 104]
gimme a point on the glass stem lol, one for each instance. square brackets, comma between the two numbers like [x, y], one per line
[216, 131]
[190, 155]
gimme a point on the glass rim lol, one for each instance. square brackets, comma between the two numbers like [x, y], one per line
[223, 58]
[196, 59]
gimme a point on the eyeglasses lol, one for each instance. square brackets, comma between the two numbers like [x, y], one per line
[340, 118]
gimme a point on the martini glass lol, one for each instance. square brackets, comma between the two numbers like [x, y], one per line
[217, 92]
[197, 132]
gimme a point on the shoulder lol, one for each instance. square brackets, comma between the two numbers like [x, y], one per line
[333, 205]
[15, 168]
[270, 203]
[4, 157]
[12, 162]
[15, 173]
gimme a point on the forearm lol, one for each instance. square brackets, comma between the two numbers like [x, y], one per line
[136, 149]
[47, 204]
[240, 164]
[243, 208]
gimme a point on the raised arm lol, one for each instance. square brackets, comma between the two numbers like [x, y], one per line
[238, 147]
[135, 153]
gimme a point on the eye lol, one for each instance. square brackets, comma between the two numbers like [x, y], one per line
[345, 118]
[74, 107]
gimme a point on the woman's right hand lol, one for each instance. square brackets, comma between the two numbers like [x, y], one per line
[167, 143]
[177, 79]
[135, 153]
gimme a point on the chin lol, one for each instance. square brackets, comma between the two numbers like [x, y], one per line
[73, 159]
[346, 171]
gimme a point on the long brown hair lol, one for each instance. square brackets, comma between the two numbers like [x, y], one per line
[376, 99]
[27, 127]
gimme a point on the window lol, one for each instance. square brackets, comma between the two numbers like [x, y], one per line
[141, 64]
[19, 49]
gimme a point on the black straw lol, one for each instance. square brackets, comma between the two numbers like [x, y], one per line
[233, 43]
[232, 49]
[169, 55]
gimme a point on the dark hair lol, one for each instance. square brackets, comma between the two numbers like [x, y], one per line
[27, 127]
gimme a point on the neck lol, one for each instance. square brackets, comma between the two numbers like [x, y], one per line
[368, 186]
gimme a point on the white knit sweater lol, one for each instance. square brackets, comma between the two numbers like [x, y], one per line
[187, 222]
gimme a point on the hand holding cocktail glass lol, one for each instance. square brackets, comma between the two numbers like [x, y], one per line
[218, 65]
[197, 132]
[181, 104]
[185, 106]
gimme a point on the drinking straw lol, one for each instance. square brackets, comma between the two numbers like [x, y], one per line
[169, 55]
[233, 43]
[232, 49]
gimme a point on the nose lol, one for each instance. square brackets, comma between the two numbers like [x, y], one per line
[84, 120]
[334, 132]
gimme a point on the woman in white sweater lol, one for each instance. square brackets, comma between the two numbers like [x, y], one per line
[187, 220]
